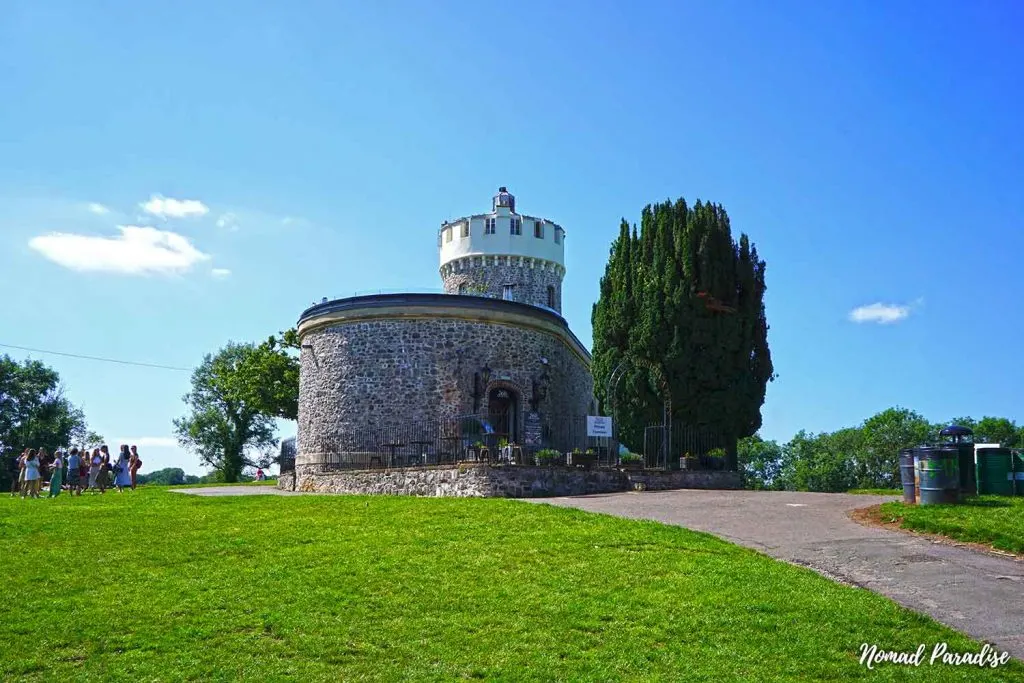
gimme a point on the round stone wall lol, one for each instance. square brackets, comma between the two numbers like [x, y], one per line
[487, 276]
[392, 360]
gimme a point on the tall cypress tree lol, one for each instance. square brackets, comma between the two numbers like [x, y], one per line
[683, 299]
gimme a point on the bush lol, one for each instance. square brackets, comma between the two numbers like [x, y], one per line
[548, 456]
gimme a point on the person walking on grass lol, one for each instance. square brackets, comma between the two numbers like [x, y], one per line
[123, 477]
[44, 467]
[94, 468]
[74, 473]
[18, 473]
[134, 464]
[83, 469]
[103, 479]
[32, 476]
[56, 475]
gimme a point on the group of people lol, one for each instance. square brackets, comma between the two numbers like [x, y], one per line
[75, 471]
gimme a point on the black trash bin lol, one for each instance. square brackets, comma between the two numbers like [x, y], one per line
[907, 475]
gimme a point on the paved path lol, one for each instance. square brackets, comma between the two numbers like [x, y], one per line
[973, 591]
[237, 491]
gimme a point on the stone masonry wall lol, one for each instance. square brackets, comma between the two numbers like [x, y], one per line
[531, 284]
[394, 372]
[486, 481]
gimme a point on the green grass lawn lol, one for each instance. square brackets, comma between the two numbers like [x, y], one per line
[267, 482]
[158, 585]
[877, 492]
[996, 520]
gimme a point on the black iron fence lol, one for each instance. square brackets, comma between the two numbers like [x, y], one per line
[668, 446]
[561, 439]
[286, 461]
[468, 438]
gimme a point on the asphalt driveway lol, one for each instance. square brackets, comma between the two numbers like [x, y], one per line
[972, 591]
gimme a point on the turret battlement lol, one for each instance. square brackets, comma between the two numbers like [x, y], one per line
[504, 254]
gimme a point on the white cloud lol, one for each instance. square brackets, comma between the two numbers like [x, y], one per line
[220, 273]
[166, 207]
[882, 314]
[150, 441]
[136, 251]
[228, 220]
[97, 209]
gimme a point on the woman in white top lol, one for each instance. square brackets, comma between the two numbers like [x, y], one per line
[94, 467]
[32, 476]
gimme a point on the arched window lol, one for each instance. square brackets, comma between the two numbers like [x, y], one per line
[551, 296]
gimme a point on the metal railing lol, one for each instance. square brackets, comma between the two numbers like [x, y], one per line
[467, 438]
[560, 439]
[662, 448]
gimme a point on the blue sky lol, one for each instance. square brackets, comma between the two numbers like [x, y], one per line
[874, 152]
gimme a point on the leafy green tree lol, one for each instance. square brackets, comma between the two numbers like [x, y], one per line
[818, 463]
[273, 373]
[682, 307]
[999, 430]
[885, 434]
[34, 411]
[231, 410]
[761, 463]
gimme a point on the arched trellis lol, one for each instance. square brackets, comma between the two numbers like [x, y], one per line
[662, 382]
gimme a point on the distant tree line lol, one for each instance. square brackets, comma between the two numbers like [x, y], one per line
[175, 476]
[865, 456]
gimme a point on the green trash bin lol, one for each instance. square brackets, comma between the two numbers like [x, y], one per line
[939, 473]
[968, 472]
[995, 471]
[1018, 472]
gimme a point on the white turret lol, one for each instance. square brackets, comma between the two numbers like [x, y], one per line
[504, 254]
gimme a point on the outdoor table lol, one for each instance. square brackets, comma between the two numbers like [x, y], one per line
[393, 446]
[423, 449]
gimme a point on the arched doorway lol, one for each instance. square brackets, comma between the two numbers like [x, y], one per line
[503, 413]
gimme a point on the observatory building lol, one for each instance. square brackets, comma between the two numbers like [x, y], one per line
[494, 346]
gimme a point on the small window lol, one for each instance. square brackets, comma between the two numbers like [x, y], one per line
[462, 288]
[465, 229]
[558, 236]
[447, 234]
[551, 296]
[489, 226]
[508, 293]
[538, 230]
[516, 226]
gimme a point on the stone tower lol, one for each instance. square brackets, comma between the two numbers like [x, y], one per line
[505, 255]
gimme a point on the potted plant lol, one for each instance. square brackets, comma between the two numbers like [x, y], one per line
[478, 451]
[547, 456]
[713, 460]
[688, 461]
[631, 461]
[579, 458]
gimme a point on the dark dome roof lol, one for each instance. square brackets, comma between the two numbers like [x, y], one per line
[956, 430]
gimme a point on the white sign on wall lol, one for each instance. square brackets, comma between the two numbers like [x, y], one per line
[599, 426]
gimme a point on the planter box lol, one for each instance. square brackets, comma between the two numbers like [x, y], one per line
[632, 465]
[581, 459]
[688, 463]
